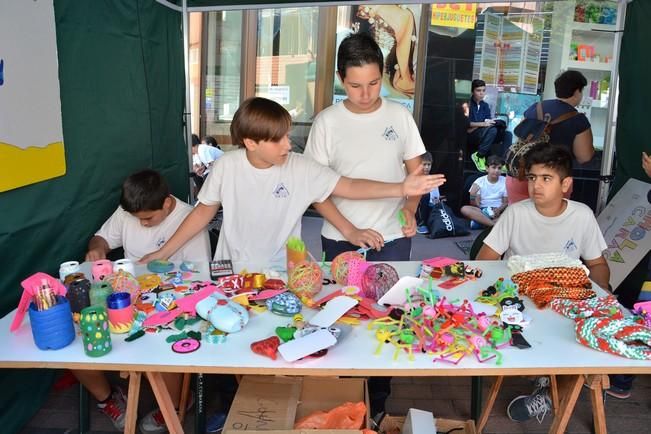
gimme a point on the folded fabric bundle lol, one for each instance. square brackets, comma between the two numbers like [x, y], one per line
[545, 284]
[607, 307]
[622, 337]
[520, 263]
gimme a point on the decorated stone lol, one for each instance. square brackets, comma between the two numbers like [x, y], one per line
[285, 304]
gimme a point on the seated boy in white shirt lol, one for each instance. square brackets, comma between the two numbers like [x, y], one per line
[547, 223]
[147, 217]
[487, 196]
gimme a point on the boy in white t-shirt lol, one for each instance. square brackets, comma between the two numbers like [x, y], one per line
[265, 189]
[488, 196]
[547, 223]
[147, 217]
[366, 136]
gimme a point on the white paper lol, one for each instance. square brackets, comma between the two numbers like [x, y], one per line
[310, 344]
[333, 310]
[397, 294]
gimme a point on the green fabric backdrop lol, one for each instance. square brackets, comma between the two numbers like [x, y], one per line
[122, 99]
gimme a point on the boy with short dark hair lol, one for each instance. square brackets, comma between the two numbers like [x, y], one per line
[487, 196]
[483, 130]
[427, 201]
[366, 136]
[147, 217]
[547, 223]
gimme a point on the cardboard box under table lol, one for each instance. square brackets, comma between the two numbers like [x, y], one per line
[393, 425]
[271, 405]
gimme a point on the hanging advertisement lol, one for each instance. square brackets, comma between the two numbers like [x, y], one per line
[395, 29]
[459, 15]
[31, 134]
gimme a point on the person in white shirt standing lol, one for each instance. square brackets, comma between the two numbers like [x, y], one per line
[366, 136]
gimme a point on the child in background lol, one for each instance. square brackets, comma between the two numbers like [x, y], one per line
[427, 201]
[147, 217]
[487, 196]
[483, 131]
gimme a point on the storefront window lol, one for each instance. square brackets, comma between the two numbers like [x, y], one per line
[518, 49]
[286, 64]
[223, 67]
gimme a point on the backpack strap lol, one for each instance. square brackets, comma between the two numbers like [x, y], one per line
[564, 117]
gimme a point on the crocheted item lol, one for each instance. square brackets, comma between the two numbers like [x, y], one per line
[622, 337]
[519, 264]
[607, 307]
[544, 285]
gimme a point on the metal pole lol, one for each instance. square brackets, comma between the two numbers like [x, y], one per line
[187, 115]
[608, 154]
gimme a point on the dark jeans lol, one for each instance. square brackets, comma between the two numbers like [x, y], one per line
[485, 137]
[396, 250]
[622, 381]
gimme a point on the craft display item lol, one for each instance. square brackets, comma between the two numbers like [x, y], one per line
[356, 270]
[220, 268]
[214, 336]
[622, 337]
[100, 269]
[52, 328]
[378, 279]
[98, 293]
[187, 345]
[123, 281]
[643, 311]
[160, 266]
[78, 295]
[120, 312]
[222, 313]
[286, 334]
[305, 280]
[607, 307]
[189, 267]
[72, 277]
[149, 282]
[285, 304]
[126, 265]
[31, 287]
[254, 281]
[267, 347]
[94, 329]
[67, 268]
[296, 253]
[340, 265]
[165, 302]
[544, 285]
[44, 296]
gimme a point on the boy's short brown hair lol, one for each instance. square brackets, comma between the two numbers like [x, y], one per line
[144, 191]
[260, 119]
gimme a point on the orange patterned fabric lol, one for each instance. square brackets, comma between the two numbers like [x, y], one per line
[545, 284]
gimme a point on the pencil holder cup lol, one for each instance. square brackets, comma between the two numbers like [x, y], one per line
[294, 257]
[52, 329]
[125, 265]
[68, 268]
[94, 329]
[99, 291]
[78, 295]
[101, 269]
[120, 312]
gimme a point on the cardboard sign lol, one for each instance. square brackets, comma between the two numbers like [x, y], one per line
[625, 222]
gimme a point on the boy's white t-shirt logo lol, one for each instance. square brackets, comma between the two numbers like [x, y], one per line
[390, 134]
[281, 191]
[570, 246]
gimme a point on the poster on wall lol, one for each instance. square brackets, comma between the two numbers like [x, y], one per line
[31, 133]
[395, 29]
[625, 223]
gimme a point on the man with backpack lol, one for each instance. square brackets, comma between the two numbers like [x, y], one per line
[565, 126]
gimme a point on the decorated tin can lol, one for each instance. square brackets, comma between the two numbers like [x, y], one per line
[94, 328]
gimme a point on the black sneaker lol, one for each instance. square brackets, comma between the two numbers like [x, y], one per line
[537, 405]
